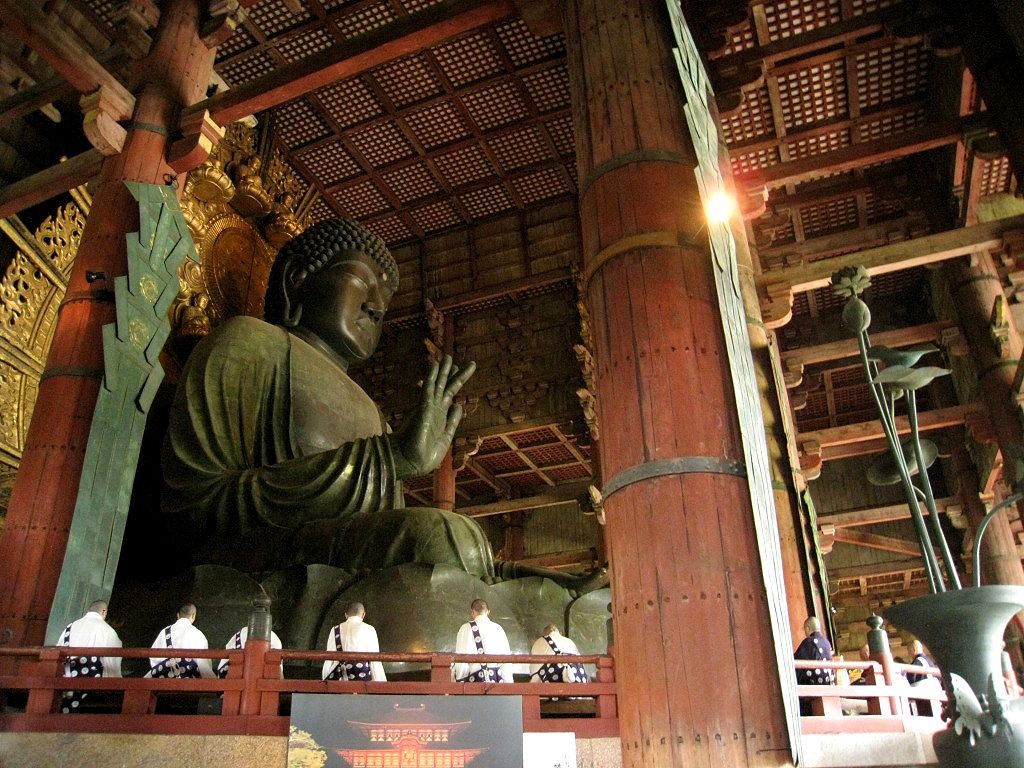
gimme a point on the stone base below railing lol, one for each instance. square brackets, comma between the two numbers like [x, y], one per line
[864, 750]
[115, 750]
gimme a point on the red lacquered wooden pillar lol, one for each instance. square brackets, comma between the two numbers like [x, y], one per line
[695, 665]
[975, 287]
[175, 74]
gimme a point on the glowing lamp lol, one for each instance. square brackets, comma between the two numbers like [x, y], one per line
[719, 207]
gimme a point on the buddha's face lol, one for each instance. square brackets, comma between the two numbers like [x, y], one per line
[343, 305]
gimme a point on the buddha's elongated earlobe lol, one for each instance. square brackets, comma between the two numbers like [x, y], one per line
[290, 315]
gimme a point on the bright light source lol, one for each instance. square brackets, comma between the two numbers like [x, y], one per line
[720, 207]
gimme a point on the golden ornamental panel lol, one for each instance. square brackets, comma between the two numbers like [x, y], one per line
[12, 386]
[24, 294]
[60, 235]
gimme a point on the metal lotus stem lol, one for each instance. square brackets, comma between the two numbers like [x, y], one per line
[882, 404]
[976, 557]
[922, 471]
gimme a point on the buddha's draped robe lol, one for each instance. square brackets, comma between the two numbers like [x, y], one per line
[274, 456]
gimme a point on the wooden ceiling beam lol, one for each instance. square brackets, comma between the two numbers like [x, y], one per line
[497, 484]
[826, 36]
[852, 124]
[797, 359]
[846, 189]
[560, 494]
[929, 136]
[856, 439]
[876, 541]
[904, 589]
[36, 97]
[883, 514]
[568, 559]
[50, 38]
[896, 256]
[53, 181]
[846, 241]
[875, 569]
[403, 37]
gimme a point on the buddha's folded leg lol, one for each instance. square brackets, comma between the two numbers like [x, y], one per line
[374, 540]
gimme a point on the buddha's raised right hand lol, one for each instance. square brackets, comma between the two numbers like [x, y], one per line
[425, 439]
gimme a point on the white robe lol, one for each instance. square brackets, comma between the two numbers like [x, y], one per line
[242, 635]
[91, 631]
[494, 640]
[359, 637]
[183, 636]
[541, 648]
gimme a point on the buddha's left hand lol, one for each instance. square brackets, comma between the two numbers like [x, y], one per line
[426, 438]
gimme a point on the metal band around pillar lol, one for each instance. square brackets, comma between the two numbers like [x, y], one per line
[680, 465]
[74, 371]
[633, 158]
[633, 243]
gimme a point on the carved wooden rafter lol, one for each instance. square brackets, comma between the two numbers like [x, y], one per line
[107, 101]
[133, 20]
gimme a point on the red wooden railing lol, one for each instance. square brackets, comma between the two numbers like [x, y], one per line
[255, 698]
[885, 703]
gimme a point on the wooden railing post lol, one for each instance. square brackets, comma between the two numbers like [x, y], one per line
[253, 666]
[878, 645]
[270, 700]
[606, 704]
[441, 668]
[49, 665]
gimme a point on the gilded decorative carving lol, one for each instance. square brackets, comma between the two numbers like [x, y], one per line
[251, 199]
[59, 236]
[31, 291]
[210, 183]
[12, 382]
[225, 204]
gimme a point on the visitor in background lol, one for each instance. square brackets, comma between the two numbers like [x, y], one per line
[814, 647]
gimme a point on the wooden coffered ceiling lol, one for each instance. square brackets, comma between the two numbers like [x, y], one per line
[850, 125]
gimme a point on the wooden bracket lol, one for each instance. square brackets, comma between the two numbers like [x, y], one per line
[810, 459]
[224, 16]
[792, 372]
[826, 538]
[200, 135]
[777, 309]
[102, 109]
[133, 19]
[952, 340]
[753, 202]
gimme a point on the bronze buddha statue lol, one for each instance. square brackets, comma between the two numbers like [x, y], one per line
[275, 457]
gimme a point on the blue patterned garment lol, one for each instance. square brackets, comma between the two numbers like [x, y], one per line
[78, 666]
[573, 672]
[815, 647]
[180, 668]
[349, 670]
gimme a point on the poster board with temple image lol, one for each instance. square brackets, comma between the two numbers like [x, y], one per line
[335, 731]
